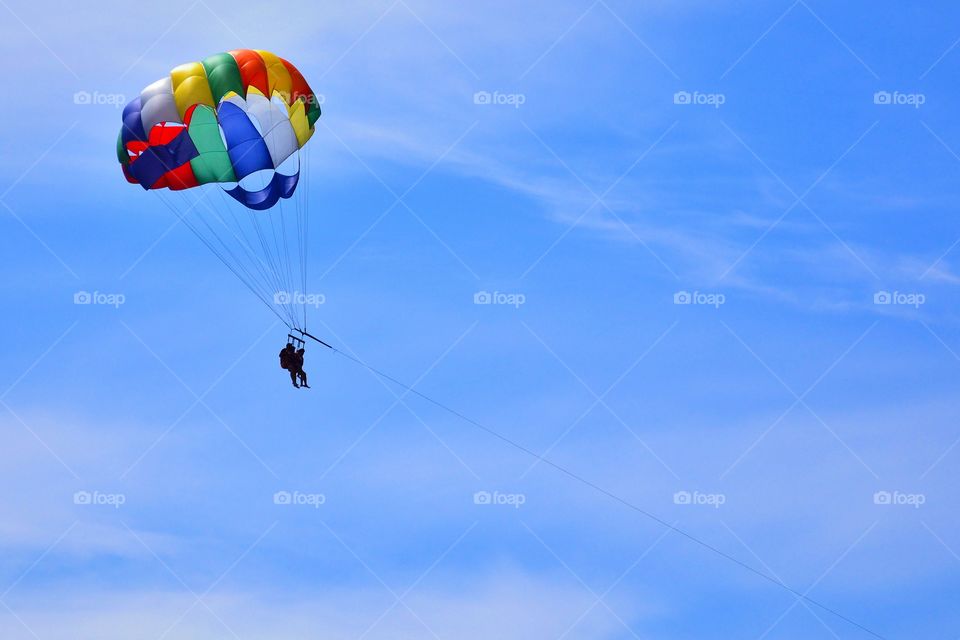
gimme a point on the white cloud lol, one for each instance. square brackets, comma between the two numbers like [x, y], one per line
[491, 604]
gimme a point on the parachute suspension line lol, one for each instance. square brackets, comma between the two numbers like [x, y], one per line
[226, 248]
[242, 240]
[278, 257]
[237, 267]
[264, 246]
[292, 265]
[609, 494]
[274, 266]
[285, 231]
[214, 251]
[304, 235]
[237, 262]
[283, 271]
[287, 264]
[262, 267]
[266, 271]
[298, 211]
[298, 200]
[263, 261]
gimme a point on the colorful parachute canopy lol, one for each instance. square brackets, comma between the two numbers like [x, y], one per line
[219, 121]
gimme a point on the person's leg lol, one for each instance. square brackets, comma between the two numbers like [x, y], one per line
[293, 377]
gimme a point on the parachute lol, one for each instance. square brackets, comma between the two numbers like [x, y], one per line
[235, 123]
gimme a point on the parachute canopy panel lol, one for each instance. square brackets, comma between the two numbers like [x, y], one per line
[218, 121]
[236, 122]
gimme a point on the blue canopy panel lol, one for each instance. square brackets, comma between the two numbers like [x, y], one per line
[245, 146]
[132, 123]
[157, 160]
[280, 186]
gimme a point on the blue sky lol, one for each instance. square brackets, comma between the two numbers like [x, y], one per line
[786, 163]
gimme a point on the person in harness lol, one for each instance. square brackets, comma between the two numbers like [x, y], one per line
[298, 368]
[288, 361]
